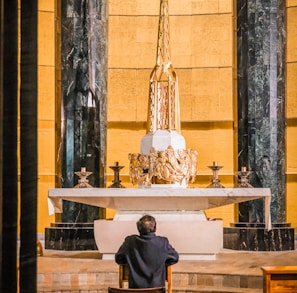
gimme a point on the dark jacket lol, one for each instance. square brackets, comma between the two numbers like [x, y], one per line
[147, 257]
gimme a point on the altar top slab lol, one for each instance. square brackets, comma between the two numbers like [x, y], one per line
[155, 199]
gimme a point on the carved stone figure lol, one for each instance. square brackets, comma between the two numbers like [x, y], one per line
[168, 165]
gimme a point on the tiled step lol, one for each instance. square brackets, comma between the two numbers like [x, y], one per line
[97, 282]
[185, 281]
[215, 289]
[74, 289]
[103, 289]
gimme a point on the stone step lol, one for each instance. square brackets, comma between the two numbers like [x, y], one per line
[182, 283]
[103, 289]
[215, 289]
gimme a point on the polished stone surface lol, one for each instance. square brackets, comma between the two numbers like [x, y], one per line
[185, 235]
[70, 236]
[155, 199]
[261, 39]
[174, 202]
[83, 101]
[254, 237]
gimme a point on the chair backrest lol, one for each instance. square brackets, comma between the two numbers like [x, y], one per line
[124, 275]
[140, 290]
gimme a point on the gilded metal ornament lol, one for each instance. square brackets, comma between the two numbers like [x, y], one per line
[163, 158]
[83, 181]
[166, 166]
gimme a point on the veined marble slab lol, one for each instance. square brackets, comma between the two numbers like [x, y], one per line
[178, 211]
[158, 199]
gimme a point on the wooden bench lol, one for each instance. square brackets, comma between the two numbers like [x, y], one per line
[280, 279]
[124, 275]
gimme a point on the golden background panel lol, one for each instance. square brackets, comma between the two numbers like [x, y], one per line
[119, 144]
[212, 97]
[142, 94]
[291, 149]
[291, 90]
[152, 7]
[291, 202]
[226, 6]
[212, 144]
[46, 148]
[212, 40]
[185, 93]
[121, 38]
[132, 41]
[123, 94]
[226, 213]
[292, 34]
[46, 5]
[291, 3]
[186, 107]
[127, 7]
[211, 6]
[46, 92]
[43, 217]
[181, 36]
[46, 38]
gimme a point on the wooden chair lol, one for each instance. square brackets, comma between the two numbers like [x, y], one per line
[124, 274]
[279, 279]
[140, 290]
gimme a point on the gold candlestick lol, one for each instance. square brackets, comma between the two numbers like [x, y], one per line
[215, 182]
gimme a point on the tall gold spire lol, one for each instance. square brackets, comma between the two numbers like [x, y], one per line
[163, 106]
[163, 157]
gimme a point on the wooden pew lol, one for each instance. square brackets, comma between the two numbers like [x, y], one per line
[279, 279]
[124, 274]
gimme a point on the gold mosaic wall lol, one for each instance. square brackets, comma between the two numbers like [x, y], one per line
[46, 109]
[202, 47]
[292, 112]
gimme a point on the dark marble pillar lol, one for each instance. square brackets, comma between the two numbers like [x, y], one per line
[261, 39]
[84, 86]
[9, 265]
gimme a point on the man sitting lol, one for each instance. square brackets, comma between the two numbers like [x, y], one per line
[147, 255]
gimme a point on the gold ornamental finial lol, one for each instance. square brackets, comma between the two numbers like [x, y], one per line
[163, 49]
[163, 106]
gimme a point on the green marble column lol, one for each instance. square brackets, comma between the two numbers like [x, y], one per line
[84, 85]
[261, 41]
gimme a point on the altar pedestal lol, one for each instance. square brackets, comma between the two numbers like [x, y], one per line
[194, 240]
[189, 232]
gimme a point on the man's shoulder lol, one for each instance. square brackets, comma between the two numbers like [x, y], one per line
[162, 238]
[131, 237]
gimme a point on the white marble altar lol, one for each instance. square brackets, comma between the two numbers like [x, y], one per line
[155, 199]
[179, 213]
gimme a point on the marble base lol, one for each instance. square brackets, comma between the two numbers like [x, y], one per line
[161, 140]
[254, 237]
[70, 236]
[194, 237]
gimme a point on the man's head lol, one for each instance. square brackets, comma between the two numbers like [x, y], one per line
[146, 225]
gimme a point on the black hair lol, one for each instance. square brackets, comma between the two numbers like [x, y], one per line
[146, 224]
